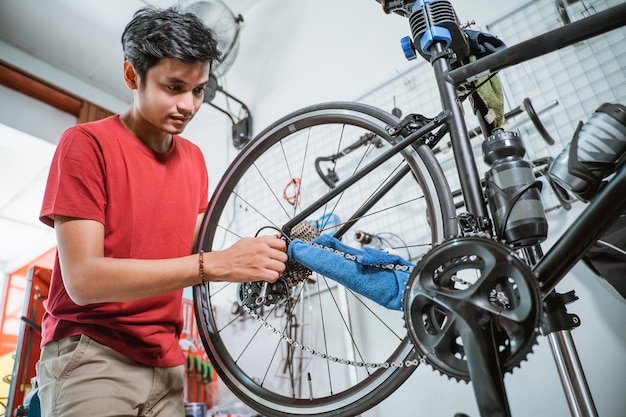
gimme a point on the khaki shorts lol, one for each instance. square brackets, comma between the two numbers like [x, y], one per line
[80, 377]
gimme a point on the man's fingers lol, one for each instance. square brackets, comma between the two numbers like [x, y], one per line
[275, 242]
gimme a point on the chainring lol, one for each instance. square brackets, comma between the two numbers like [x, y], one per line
[471, 283]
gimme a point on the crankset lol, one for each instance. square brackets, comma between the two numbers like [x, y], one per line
[472, 309]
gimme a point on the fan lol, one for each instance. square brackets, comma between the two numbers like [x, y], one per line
[216, 15]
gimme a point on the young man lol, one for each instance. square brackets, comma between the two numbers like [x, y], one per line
[126, 196]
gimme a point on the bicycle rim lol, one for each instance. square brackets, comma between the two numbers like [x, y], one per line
[257, 358]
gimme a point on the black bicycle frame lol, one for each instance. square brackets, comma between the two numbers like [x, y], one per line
[607, 206]
[598, 216]
[340, 188]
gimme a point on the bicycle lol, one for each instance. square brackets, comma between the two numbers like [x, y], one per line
[315, 359]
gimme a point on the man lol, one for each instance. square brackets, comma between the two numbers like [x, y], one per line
[126, 196]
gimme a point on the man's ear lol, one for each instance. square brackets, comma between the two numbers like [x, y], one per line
[130, 76]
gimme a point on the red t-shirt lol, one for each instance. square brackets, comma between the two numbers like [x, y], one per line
[148, 203]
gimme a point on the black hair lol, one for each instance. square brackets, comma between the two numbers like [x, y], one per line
[154, 34]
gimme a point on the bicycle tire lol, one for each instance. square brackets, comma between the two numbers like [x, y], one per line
[244, 362]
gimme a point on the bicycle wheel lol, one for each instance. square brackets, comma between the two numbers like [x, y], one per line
[325, 350]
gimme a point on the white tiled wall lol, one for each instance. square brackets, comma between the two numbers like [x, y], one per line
[579, 77]
[565, 86]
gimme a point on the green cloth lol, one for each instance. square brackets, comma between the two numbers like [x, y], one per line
[490, 93]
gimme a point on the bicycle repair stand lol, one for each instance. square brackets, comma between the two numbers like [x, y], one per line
[557, 326]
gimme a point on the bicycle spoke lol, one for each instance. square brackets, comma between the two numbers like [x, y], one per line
[312, 352]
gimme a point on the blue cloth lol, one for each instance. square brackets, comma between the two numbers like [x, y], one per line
[362, 275]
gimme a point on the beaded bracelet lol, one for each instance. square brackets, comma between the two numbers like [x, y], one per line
[201, 266]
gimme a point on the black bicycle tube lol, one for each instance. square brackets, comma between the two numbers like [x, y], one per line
[567, 35]
[370, 202]
[396, 148]
[463, 154]
[596, 219]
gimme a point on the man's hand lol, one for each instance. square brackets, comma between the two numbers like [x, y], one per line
[250, 259]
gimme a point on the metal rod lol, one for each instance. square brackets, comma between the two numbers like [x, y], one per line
[521, 121]
[567, 362]
[572, 376]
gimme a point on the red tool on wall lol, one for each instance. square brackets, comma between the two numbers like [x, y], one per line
[29, 340]
[200, 377]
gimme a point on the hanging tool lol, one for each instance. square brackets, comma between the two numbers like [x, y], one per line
[198, 378]
[190, 379]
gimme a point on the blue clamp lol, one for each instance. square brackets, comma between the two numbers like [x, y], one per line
[431, 34]
[435, 33]
[408, 48]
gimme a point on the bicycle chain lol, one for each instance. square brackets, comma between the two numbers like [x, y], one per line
[306, 232]
[330, 358]
[349, 362]
[397, 267]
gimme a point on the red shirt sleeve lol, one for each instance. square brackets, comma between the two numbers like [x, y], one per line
[76, 182]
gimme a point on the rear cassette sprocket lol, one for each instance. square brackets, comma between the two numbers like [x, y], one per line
[463, 289]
